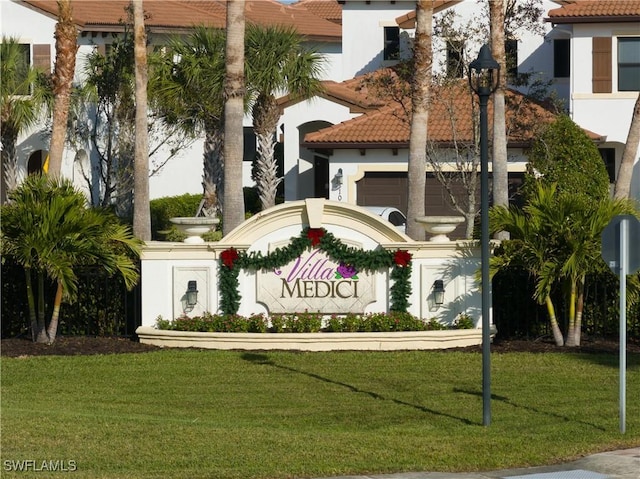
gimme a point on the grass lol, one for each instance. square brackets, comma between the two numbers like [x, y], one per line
[226, 414]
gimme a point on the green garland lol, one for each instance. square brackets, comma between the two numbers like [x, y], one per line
[232, 260]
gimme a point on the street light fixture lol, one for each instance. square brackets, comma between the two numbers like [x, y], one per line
[484, 77]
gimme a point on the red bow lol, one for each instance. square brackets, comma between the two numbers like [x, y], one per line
[402, 257]
[315, 235]
[229, 256]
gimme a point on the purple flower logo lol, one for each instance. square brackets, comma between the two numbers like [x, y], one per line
[346, 271]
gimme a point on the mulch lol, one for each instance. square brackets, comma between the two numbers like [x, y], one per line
[84, 345]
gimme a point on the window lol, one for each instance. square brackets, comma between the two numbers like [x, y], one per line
[511, 58]
[391, 43]
[629, 64]
[561, 57]
[455, 64]
[609, 157]
[250, 141]
[22, 64]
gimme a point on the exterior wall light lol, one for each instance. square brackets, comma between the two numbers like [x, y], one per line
[192, 294]
[438, 292]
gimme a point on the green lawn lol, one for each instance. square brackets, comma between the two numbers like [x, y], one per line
[215, 414]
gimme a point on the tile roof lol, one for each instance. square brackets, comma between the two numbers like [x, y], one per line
[596, 11]
[450, 120]
[106, 15]
[328, 9]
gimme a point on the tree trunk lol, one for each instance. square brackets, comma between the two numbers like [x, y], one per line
[571, 336]
[52, 330]
[213, 172]
[579, 309]
[41, 329]
[623, 181]
[66, 49]
[423, 58]
[233, 213]
[32, 304]
[265, 120]
[141, 209]
[557, 334]
[499, 160]
[9, 160]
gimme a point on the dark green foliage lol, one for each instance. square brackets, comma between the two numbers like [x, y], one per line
[162, 209]
[565, 155]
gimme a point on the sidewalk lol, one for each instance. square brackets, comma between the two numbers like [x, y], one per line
[623, 464]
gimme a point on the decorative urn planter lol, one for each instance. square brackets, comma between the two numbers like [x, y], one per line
[194, 227]
[440, 226]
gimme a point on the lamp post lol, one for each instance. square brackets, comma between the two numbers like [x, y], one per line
[484, 76]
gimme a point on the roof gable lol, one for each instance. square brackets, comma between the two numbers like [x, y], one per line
[450, 120]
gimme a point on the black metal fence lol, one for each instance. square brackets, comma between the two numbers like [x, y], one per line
[103, 308]
[517, 315]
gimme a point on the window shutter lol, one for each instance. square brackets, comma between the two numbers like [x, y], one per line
[601, 74]
[42, 57]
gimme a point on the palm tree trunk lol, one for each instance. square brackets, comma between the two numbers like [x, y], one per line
[233, 213]
[623, 181]
[141, 208]
[66, 48]
[555, 328]
[423, 58]
[571, 331]
[32, 305]
[9, 159]
[265, 122]
[213, 172]
[499, 160]
[41, 329]
[579, 309]
[52, 330]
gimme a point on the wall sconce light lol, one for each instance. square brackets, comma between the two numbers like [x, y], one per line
[192, 294]
[438, 292]
[339, 177]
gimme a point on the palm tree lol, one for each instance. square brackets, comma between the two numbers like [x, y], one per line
[623, 181]
[66, 48]
[48, 229]
[586, 224]
[234, 90]
[141, 209]
[420, 91]
[556, 237]
[276, 62]
[535, 245]
[186, 89]
[499, 160]
[21, 102]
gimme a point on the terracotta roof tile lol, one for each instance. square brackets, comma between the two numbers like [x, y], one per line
[328, 9]
[450, 119]
[94, 15]
[594, 11]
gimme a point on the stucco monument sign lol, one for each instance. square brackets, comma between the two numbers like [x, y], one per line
[311, 256]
